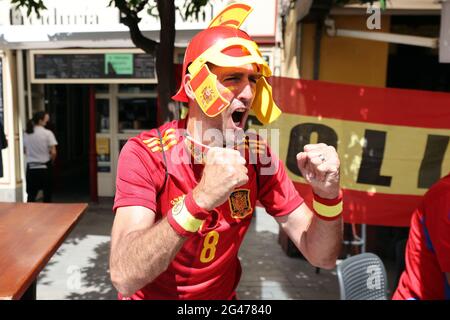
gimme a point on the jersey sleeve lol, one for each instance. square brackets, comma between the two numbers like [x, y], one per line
[276, 192]
[437, 208]
[138, 177]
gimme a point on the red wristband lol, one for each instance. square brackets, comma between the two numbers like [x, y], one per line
[197, 211]
[329, 202]
[186, 217]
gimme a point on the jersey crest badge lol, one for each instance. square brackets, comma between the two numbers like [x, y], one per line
[240, 204]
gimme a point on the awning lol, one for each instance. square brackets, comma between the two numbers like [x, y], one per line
[53, 37]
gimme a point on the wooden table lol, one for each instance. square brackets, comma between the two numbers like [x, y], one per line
[30, 233]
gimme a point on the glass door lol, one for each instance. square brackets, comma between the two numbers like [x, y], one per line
[136, 110]
[104, 135]
[123, 111]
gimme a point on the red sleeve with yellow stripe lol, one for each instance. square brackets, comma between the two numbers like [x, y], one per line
[140, 172]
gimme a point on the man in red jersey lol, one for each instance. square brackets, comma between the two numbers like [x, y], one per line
[427, 258]
[186, 192]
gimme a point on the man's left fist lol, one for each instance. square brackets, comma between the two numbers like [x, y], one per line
[319, 165]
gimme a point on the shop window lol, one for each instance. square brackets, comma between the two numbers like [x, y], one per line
[180, 58]
[102, 116]
[101, 88]
[137, 88]
[137, 114]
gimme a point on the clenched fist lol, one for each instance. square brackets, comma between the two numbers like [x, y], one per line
[224, 171]
[319, 165]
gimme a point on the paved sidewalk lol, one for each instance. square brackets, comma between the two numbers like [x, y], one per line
[268, 273]
[79, 269]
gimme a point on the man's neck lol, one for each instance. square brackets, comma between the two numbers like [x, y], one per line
[199, 132]
[196, 130]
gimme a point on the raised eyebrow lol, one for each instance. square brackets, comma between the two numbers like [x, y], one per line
[256, 75]
[234, 74]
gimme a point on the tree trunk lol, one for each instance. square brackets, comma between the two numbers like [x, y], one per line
[164, 50]
[165, 69]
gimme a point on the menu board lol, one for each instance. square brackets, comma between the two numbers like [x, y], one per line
[89, 66]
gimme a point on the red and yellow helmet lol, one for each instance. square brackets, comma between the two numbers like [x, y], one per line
[224, 44]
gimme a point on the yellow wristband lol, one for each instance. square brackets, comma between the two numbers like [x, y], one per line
[327, 211]
[184, 218]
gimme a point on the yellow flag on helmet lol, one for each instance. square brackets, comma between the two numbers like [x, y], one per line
[232, 16]
[264, 106]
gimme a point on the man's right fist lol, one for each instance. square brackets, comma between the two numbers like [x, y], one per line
[224, 171]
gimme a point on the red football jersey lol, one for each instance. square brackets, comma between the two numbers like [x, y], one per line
[428, 248]
[207, 266]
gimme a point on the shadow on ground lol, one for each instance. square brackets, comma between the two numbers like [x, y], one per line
[268, 273]
[79, 270]
[97, 276]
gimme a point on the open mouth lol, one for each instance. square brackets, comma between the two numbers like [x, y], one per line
[238, 116]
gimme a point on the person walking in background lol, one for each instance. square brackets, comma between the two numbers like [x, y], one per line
[40, 149]
[3, 145]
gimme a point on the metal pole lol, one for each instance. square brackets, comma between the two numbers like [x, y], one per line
[380, 36]
[22, 118]
[363, 238]
[92, 147]
[29, 89]
[389, 37]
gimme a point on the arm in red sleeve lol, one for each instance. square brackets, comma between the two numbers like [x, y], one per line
[276, 191]
[139, 176]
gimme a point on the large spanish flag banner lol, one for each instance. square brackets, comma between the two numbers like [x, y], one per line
[392, 143]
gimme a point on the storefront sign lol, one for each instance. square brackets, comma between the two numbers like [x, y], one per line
[103, 152]
[92, 66]
[99, 13]
[80, 12]
[393, 144]
[119, 63]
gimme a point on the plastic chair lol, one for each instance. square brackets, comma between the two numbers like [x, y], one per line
[362, 277]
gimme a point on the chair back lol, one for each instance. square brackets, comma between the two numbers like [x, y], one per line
[362, 277]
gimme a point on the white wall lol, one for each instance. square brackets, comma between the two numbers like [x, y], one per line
[261, 22]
